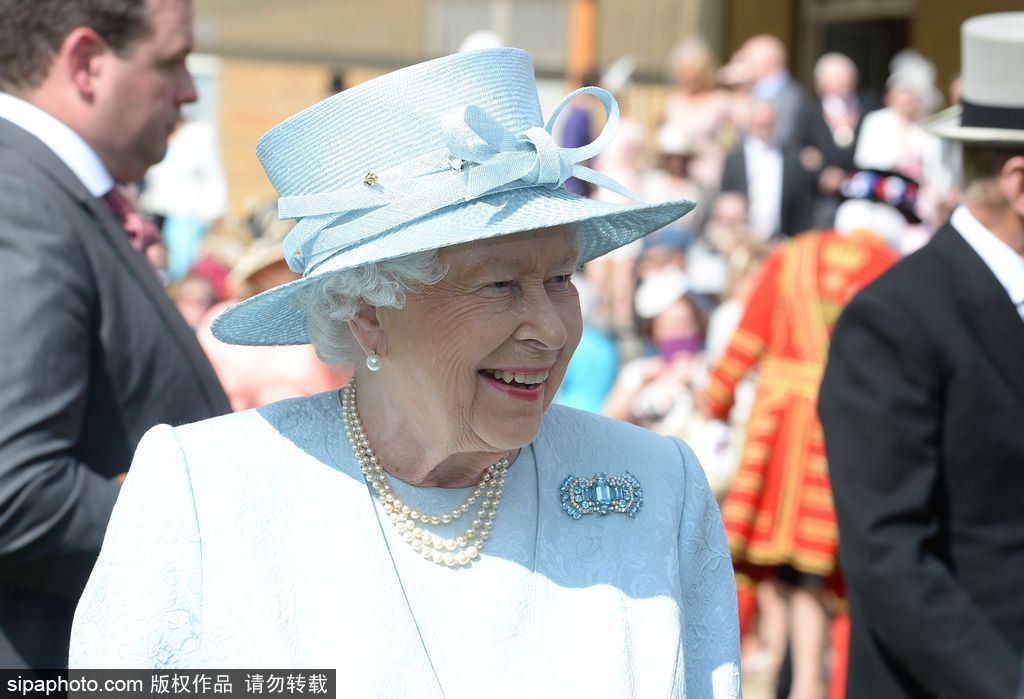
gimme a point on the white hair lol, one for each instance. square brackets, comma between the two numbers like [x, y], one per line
[831, 61]
[910, 70]
[332, 300]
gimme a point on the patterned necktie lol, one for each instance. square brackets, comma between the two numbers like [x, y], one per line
[141, 232]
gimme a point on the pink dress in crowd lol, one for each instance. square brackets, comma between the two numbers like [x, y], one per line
[255, 376]
[706, 119]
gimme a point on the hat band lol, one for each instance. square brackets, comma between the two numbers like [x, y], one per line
[481, 157]
[885, 187]
[988, 117]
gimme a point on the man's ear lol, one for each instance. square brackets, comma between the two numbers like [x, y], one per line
[80, 60]
[1011, 183]
[367, 330]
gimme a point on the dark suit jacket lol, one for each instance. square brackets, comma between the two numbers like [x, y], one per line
[789, 103]
[923, 409]
[813, 130]
[797, 187]
[92, 354]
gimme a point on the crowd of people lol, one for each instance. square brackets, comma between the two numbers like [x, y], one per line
[805, 196]
[132, 298]
[717, 329]
[763, 157]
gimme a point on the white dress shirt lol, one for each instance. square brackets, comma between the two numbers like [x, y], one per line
[1005, 263]
[764, 187]
[61, 139]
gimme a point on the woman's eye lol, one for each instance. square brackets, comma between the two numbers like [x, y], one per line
[562, 281]
[497, 288]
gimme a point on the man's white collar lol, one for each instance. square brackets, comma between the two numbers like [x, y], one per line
[66, 144]
[1005, 263]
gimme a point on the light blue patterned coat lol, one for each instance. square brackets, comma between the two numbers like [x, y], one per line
[251, 541]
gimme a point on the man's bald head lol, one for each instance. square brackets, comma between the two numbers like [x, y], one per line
[835, 74]
[765, 54]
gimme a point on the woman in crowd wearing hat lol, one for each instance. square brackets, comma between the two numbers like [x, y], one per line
[894, 139]
[434, 529]
[699, 109]
[654, 391]
[672, 179]
[255, 376]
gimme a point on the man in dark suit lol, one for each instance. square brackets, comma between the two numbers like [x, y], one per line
[779, 190]
[92, 352]
[922, 406]
[828, 129]
[764, 58]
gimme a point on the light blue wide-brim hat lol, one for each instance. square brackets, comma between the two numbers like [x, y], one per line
[437, 154]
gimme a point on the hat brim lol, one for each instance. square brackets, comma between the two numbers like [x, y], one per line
[947, 124]
[273, 317]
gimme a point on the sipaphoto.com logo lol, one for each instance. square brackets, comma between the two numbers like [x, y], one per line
[60, 684]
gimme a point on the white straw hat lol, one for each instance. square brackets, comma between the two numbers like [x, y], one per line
[437, 154]
[991, 108]
[658, 292]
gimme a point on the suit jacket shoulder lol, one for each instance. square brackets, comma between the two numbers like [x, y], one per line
[916, 278]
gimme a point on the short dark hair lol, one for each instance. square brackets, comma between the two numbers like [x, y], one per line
[982, 163]
[31, 32]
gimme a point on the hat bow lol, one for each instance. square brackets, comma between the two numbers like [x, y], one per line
[480, 157]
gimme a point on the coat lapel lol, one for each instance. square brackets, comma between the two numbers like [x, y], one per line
[985, 307]
[111, 229]
[148, 282]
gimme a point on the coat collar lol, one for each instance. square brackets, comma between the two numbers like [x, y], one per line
[37, 153]
[984, 306]
[1005, 263]
[60, 138]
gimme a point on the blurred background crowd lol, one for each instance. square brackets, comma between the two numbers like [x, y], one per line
[765, 131]
[776, 118]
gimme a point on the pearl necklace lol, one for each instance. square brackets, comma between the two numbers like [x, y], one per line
[459, 551]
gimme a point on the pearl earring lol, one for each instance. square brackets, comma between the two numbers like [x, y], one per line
[373, 361]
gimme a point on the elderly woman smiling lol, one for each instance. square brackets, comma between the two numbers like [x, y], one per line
[437, 528]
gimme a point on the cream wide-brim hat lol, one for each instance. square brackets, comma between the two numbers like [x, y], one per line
[441, 153]
[992, 99]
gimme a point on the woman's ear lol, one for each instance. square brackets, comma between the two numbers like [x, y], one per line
[367, 330]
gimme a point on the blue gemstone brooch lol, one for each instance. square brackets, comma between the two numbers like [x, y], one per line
[601, 494]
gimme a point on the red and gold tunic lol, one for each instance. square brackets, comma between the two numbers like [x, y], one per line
[778, 510]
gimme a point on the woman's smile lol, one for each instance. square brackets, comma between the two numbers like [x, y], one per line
[519, 383]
